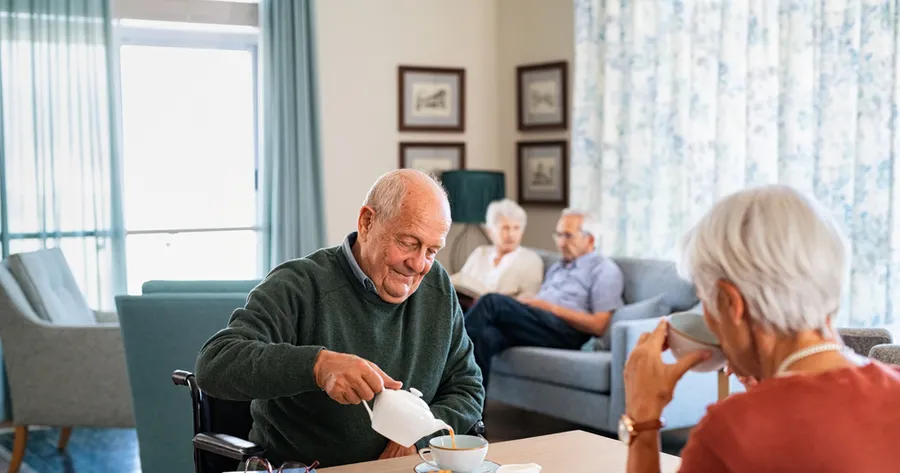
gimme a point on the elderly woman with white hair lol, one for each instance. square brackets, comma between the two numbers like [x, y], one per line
[503, 267]
[769, 267]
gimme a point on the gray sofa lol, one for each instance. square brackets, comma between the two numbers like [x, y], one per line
[586, 387]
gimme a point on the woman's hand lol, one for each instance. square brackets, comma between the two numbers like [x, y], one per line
[747, 381]
[649, 383]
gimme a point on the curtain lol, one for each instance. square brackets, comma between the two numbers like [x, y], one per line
[679, 103]
[291, 161]
[58, 138]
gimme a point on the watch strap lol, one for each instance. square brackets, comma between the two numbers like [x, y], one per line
[655, 424]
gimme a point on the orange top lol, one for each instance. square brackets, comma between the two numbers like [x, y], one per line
[841, 421]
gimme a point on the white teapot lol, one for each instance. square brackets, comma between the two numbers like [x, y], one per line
[403, 417]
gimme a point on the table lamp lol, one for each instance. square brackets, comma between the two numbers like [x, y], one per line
[470, 192]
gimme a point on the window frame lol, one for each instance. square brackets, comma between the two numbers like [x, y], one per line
[197, 36]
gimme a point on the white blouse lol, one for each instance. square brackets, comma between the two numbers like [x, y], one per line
[518, 274]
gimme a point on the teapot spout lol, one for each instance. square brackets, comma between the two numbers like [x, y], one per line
[440, 425]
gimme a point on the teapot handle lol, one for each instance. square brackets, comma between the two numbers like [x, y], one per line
[369, 409]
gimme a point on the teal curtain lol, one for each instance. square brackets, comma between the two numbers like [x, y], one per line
[291, 158]
[58, 139]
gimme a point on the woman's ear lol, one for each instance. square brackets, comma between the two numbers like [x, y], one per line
[730, 302]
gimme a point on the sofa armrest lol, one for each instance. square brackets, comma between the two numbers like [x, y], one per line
[692, 395]
[861, 340]
[886, 353]
[106, 317]
[69, 375]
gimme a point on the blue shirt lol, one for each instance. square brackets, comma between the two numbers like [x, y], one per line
[354, 265]
[590, 283]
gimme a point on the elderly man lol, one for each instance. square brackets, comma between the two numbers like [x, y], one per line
[769, 266]
[575, 301]
[322, 333]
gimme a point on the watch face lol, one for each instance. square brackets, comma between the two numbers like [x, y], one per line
[624, 432]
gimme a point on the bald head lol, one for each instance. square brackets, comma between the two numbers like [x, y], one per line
[407, 191]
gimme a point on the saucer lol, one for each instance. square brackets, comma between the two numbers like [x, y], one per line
[486, 467]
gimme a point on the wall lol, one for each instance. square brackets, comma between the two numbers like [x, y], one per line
[531, 31]
[219, 12]
[360, 45]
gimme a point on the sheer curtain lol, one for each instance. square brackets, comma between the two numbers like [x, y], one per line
[678, 103]
[58, 139]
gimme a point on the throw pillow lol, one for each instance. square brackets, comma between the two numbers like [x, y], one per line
[654, 307]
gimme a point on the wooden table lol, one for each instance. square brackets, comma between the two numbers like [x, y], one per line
[569, 452]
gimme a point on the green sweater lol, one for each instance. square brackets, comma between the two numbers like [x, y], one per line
[267, 353]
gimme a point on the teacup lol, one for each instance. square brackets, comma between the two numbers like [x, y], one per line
[465, 458]
[687, 332]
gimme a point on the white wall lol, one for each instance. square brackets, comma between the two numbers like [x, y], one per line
[531, 31]
[360, 43]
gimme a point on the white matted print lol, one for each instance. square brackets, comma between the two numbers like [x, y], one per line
[433, 158]
[431, 99]
[542, 96]
[543, 172]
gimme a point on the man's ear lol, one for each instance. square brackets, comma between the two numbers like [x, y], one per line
[730, 302]
[364, 222]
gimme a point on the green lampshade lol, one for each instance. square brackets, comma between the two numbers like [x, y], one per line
[470, 193]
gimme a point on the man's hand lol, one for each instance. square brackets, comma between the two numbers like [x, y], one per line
[649, 383]
[536, 303]
[349, 379]
[395, 450]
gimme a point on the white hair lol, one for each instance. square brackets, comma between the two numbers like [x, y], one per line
[387, 193]
[589, 224]
[782, 251]
[505, 208]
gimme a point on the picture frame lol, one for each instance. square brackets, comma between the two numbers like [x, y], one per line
[543, 172]
[431, 99]
[433, 157]
[542, 96]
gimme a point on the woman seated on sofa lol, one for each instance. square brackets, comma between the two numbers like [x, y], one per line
[504, 267]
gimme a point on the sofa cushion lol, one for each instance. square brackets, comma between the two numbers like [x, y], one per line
[50, 287]
[649, 309]
[588, 371]
[647, 278]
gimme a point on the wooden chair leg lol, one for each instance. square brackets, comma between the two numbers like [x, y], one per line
[18, 453]
[64, 434]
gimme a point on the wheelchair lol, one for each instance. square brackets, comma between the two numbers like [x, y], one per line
[221, 427]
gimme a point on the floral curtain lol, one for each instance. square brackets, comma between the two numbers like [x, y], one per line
[681, 102]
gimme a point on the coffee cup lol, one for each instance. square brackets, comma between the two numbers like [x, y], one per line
[687, 332]
[467, 457]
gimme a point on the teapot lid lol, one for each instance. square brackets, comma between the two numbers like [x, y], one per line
[413, 397]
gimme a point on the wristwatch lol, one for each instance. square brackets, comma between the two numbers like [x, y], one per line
[629, 429]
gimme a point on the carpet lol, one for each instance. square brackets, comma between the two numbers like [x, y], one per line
[89, 451]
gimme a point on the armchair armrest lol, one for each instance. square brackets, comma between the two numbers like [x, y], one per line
[69, 375]
[886, 353]
[692, 395]
[106, 317]
[861, 340]
[227, 446]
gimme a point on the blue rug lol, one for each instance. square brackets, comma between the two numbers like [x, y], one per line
[89, 451]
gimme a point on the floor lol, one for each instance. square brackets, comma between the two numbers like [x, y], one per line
[100, 450]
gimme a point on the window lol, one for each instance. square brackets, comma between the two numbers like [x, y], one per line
[189, 154]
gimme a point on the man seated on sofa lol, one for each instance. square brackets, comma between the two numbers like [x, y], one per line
[575, 302]
[322, 333]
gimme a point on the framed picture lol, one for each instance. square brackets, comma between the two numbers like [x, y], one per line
[433, 158]
[543, 168]
[432, 99]
[542, 96]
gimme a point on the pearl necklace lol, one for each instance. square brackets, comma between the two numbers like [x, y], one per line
[807, 352]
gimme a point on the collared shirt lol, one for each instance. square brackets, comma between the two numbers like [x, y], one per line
[590, 283]
[354, 265]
